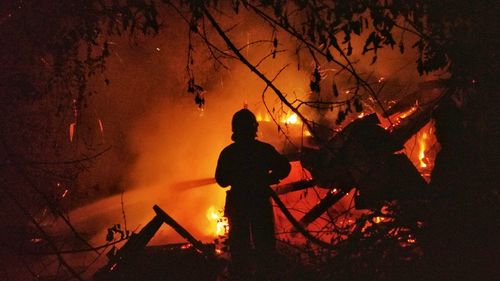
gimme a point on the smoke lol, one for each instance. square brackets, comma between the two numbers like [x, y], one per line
[162, 141]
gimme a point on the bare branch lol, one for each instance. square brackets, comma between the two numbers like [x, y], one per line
[253, 69]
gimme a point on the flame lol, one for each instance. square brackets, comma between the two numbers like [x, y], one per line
[217, 221]
[71, 131]
[292, 119]
[407, 113]
[259, 117]
[422, 147]
[263, 117]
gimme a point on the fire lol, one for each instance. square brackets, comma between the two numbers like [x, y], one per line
[263, 117]
[292, 119]
[405, 114]
[286, 118]
[422, 147]
[217, 221]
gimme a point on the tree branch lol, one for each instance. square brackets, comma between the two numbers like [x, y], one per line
[240, 56]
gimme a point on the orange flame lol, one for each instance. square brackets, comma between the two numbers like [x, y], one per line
[422, 147]
[217, 221]
[71, 131]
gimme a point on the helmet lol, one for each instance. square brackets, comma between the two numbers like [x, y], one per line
[244, 123]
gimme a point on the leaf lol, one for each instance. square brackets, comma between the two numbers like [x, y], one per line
[329, 56]
[314, 86]
[340, 117]
[317, 75]
[349, 48]
[109, 235]
[356, 27]
[236, 6]
[335, 89]
[357, 105]
[368, 42]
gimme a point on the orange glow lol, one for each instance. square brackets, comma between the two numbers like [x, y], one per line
[71, 131]
[218, 222]
[263, 117]
[101, 126]
[259, 117]
[422, 149]
[291, 119]
[405, 114]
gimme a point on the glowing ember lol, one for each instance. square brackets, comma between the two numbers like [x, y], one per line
[219, 222]
[71, 131]
[405, 114]
[65, 193]
[101, 126]
[36, 240]
[411, 240]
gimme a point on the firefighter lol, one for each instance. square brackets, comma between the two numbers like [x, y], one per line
[249, 166]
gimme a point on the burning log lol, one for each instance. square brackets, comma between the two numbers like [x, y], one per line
[364, 155]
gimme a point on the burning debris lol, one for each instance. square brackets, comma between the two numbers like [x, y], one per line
[363, 155]
[137, 261]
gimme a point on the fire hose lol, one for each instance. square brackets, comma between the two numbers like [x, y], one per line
[298, 226]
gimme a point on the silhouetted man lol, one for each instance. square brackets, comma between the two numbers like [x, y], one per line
[249, 167]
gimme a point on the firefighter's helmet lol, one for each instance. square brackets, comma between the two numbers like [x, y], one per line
[244, 123]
